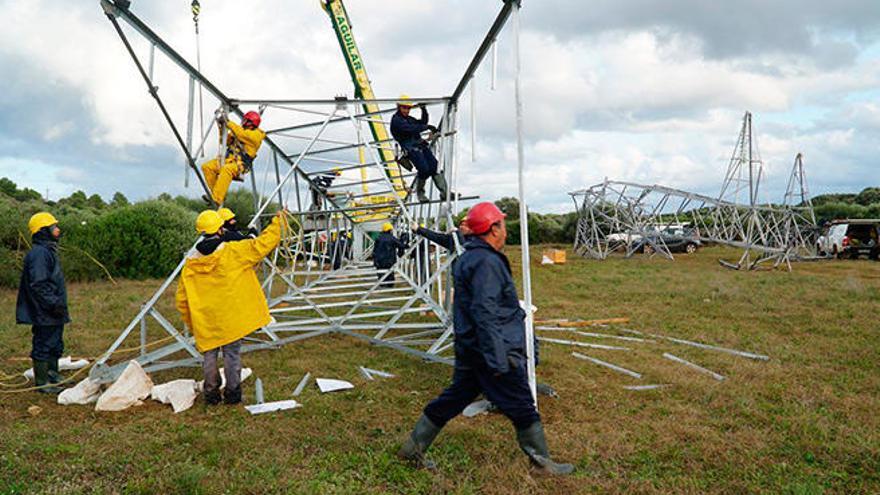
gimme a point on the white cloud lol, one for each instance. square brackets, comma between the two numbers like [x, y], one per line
[641, 102]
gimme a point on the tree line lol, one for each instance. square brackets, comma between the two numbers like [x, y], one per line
[147, 239]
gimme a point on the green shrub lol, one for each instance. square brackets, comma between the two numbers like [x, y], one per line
[143, 240]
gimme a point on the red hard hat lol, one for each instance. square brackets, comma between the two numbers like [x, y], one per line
[482, 216]
[252, 117]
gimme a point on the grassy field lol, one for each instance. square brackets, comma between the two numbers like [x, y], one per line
[804, 422]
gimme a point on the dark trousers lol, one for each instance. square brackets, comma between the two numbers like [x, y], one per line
[389, 280]
[47, 343]
[231, 368]
[509, 392]
[424, 161]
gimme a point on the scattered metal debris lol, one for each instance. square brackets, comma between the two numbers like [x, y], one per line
[366, 373]
[475, 408]
[380, 374]
[581, 323]
[691, 343]
[280, 405]
[583, 344]
[546, 390]
[694, 366]
[735, 352]
[258, 391]
[618, 337]
[644, 387]
[302, 384]
[607, 365]
[331, 385]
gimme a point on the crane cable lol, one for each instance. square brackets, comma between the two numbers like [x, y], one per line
[196, 10]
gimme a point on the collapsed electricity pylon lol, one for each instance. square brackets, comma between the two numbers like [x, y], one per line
[626, 217]
[319, 281]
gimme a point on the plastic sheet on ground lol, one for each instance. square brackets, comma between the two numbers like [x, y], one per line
[545, 260]
[331, 385]
[85, 392]
[132, 386]
[64, 364]
[245, 374]
[181, 394]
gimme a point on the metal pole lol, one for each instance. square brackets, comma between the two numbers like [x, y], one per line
[189, 128]
[523, 213]
[473, 121]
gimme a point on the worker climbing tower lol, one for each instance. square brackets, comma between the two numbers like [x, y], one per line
[332, 164]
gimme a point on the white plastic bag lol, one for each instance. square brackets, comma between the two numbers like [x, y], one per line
[85, 392]
[132, 386]
[181, 394]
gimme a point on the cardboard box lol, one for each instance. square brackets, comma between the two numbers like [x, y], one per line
[557, 256]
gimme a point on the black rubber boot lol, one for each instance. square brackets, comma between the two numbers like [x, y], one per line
[440, 184]
[232, 397]
[413, 449]
[41, 377]
[420, 190]
[534, 444]
[442, 187]
[212, 398]
[54, 375]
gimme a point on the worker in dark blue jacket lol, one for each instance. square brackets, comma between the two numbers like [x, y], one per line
[42, 301]
[490, 352]
[386, 249]
[447, 241]
[339, 248]
[407, 131]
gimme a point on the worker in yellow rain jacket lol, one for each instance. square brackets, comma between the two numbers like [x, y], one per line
[220, 299]
[242, 144]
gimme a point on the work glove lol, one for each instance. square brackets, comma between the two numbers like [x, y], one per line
[414, 226]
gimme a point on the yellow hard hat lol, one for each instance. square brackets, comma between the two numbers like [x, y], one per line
[40, 220]
[226, 214]
[336, 170]
[404, 101]
[387, 227]
[348, 234]
[208, 222]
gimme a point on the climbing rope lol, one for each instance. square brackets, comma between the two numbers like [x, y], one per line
[5, 377]
[291, 239]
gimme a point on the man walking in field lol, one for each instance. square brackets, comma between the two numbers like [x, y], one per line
[489, 346]
[221, 301]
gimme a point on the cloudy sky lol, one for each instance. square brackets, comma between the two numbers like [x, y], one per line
[626, 89]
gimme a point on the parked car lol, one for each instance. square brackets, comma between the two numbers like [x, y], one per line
[676, 239]
[851, 239]
[831, 242]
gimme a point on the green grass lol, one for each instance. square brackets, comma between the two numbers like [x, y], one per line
[803, 423]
